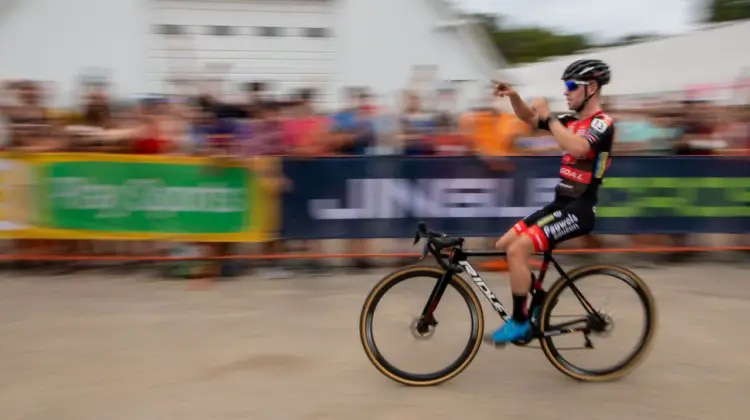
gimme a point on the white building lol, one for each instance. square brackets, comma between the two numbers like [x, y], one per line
[142, 45]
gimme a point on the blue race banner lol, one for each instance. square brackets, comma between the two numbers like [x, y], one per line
[385, 196]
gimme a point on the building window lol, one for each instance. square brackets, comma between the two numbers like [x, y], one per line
[316, 33]
[270, 31]
[221, 30]
[170, 30]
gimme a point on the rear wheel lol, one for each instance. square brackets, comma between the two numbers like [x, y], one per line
[600, 323]
[431, 275]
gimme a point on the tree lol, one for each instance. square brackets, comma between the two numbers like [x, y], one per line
[631, 39]
[524, 45]
[728, 10]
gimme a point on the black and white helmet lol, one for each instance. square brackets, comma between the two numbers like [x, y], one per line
[585, 70]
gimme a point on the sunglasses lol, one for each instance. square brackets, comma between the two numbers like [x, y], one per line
[572, 85]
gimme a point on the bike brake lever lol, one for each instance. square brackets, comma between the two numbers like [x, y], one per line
[421, 232]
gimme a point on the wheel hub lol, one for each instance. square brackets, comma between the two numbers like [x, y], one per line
[602, 325]
[422, 329]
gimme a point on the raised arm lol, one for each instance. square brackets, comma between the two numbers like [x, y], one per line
[520, 108]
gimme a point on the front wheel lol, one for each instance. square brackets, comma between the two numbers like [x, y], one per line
[596, 322]
[429, 277]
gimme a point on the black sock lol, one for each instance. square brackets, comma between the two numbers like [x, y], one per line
[519, 308]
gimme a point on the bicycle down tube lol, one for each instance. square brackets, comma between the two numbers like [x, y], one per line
[488, 293]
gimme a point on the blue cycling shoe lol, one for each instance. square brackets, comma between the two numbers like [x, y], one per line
[511, 331]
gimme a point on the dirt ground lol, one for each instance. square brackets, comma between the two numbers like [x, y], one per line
[104, 347]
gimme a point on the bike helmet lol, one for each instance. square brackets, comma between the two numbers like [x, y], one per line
[586, 70]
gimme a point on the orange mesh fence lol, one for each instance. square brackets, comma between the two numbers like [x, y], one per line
[311, 256]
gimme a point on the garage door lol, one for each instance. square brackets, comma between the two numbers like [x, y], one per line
[287, 43]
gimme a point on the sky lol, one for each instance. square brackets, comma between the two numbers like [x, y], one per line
[605, 20]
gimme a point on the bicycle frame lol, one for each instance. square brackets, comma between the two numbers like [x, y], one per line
[458, 261]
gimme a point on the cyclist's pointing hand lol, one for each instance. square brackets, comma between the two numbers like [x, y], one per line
[502, 89]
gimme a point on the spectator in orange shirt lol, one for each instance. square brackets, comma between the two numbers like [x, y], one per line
[493, 131]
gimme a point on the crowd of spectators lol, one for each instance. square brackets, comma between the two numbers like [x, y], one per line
[292, 125]
[691, 127]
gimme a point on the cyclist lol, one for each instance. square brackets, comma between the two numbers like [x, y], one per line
[586, 139]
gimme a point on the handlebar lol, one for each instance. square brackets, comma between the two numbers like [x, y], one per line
[435, 242]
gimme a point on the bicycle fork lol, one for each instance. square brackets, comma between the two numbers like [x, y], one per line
[427, 319]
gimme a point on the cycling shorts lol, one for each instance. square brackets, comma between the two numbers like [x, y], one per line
[557, 222]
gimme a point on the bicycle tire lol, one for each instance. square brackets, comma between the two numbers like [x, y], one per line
[427, 379]
[635, 358]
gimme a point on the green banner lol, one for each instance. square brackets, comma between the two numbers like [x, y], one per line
[144, 197]
[705, 197]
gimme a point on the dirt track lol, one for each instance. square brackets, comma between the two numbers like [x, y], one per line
[93, 348]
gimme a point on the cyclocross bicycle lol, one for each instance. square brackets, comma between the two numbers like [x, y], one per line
[542, 304]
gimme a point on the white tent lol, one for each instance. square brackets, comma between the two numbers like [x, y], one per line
[714, 60]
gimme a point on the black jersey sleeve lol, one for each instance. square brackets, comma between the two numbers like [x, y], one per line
[601, 133]
[564, 120]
